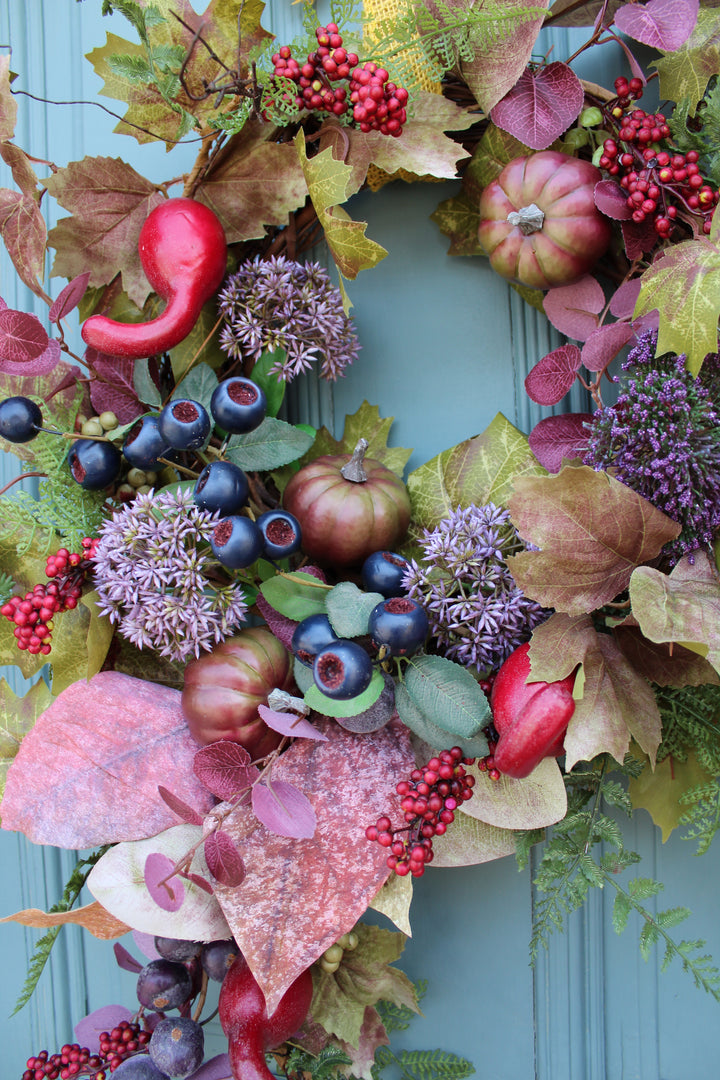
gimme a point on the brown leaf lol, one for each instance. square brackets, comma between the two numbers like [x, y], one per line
[24, 234]
[664, 663]
[22, 171]
[496, 69]
[299, 896]
[92, 917]
[8, 105]
[592, 531]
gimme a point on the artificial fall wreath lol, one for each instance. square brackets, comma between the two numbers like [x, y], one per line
[270, 652]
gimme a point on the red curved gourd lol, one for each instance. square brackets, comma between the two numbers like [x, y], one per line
[183, 252]
[245, 1021]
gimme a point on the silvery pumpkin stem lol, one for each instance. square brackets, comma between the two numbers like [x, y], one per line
[354, 470]
[529, 219]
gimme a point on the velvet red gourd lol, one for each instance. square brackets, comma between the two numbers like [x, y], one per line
[245, 1021]
[183, 252]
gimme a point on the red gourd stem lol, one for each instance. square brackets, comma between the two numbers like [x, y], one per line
[136, 340]
[354, 469]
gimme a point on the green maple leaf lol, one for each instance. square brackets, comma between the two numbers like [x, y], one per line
[685, 72]
[17, 717]
[684, 286]
[366, 423]
[660, 790]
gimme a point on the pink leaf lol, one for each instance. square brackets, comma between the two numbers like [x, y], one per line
[661, 24]
[217, 1068]
[573, 309]
[88, 772]
[22, 337]
[611, 200]
[146, 944]
[639, 238]
[114, 390]
[199, 881]
[558, 437]
[183, 811]
[288, 723]
[282, 627]
[623, 300]
[126, 960]
[89, 1029]
[224, 767]
[283, 809]
[69, 297]
[223, 859]
[603, 345]
[550, 379]
[41, 365]
[163, 884]
[541, 105]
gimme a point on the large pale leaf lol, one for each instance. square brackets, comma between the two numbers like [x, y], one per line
[92, 917]
[592, 531]
[394, 899]
[684, 286]
[299, 896]
[88, 772]
[686, 72]
[365, 423]
[17, 716]
[537, 800]
[659, 791]
[469, 842]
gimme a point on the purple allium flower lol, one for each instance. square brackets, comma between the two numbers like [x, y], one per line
[477, 613]
[149, 575]
[280, 304]
[662, 439]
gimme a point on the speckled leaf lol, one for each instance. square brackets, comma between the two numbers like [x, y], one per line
[8, 105]
[661, 24]
[686, 72]
[348, 609]
[394, 900]
[497, 67]
[17, 717]
[659, 791]
[447, 694]
[541, 105]
[278, 931]
[365, 423]
[469, 842]
[480, 470]
[120, 737]
[537, 800]
[92, 917]
[592, 532]
[272, 444]
[24, 233]
[118, 881]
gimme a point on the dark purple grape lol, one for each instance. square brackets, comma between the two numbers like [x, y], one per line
[177, 948]
[177, 1046]
[164, 984]
[217, 958]
[139, 1067]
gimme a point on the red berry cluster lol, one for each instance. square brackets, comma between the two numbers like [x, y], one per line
[74, 1060]
[378, 105]
[659, 180]
[121, 1042]
[33, 613]
[429, 800]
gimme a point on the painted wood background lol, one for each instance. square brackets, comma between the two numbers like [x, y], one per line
[445, 345]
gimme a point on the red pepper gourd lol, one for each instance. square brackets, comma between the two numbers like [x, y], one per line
[183, 252]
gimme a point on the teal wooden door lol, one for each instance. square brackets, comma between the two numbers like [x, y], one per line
[445, 345]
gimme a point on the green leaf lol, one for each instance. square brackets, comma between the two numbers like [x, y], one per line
[447, 694]
[198, 385]
[144, 386]
[274, 388]
[295, 595]
[685, 72]
[273, 444]
[365, 423]
[431, 733]
[621, 911]
[337, 707]
[348, 609]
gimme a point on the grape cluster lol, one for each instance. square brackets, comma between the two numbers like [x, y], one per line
[660, 181]
[377, 103]
[33, 613]
[429, 800]
[73, 1060]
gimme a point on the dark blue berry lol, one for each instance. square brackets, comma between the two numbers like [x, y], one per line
[383, 572]
[217, 958]
[237, 542]
[20, 419]
[184, 424]
[281, 533]
[238, 405]
[399, 624]
[94, 464]
[145, 444]
[164, 984]
[310, 636]
[177, 1046]
[342, 670]
[222, 486]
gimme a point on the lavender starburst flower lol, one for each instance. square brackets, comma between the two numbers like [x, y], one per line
[477, 613]
[149, 576]
[662, 439]
[278, 304]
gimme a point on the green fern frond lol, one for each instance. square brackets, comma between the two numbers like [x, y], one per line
[691, 721]
[433, 1065]
[7, 587]
[702, 818]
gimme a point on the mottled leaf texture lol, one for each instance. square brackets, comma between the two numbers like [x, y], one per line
[603, 345]
[541, 105]
[8, 105]
[283, 809]
[573, 309]
[497, 67]
[224, 767]
[69, 297]
[223, 858]
[163, 884]
[299, 896]
[24, 234]
[611, 200]
[469, 841]
[555, 439]
[88, 772]
[592, 532]
[549, 380]
[532, 803]
[661, 24]
[685, 73]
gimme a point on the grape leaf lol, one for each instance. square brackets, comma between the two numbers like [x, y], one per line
[459, 218]
[8, 105]
[532, 803]
[17, 717]
[664, 663]
[573, 309]
[592, 531]
[365, 423]
[551, 378]
[541, 105]
[661, 24]
[685, 72]
[24, 234]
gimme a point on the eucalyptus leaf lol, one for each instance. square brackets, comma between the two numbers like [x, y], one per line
[272, 444]
[348, 609]
[447, 694]
[145, 388]
[337, 707]
[295, 595]
[431, 733]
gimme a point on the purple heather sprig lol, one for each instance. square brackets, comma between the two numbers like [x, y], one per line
[662, 439]
[477, 613]
[278, 304]
[149, 575]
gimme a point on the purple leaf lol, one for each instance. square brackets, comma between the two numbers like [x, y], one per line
[182, 809]
[623, 300]
[89, 1029]
[126, 960]
[69, 297]
[282, 627]
[541, 105]
[558, 437]
[114, 389]
[224, 767]
[550, 379]
[611, 200]
[223, 859]
[604, 344]
[284, 810]
[163, 884]
[639, 238]
[288, 723]
[573, 309]
[22, 337]
[199, 881]
[146, 944]
[661, 24]
[217, 1068]
[41, 365]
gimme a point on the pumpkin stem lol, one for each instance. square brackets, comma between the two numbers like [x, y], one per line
[529, 219]
[353, 469]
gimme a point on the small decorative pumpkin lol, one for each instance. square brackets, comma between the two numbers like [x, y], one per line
[539, 223]
[348, 506]
[223, 689]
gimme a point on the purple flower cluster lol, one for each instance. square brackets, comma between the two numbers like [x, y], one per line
[149, 575]
[477, 613]
[277, 304]
[662, 439]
